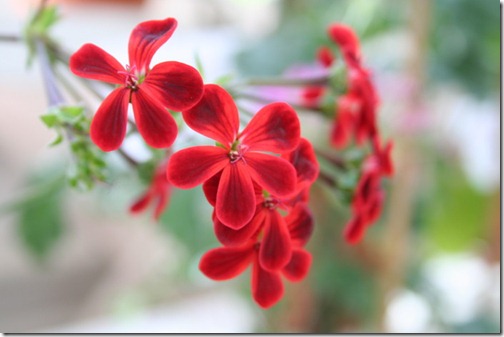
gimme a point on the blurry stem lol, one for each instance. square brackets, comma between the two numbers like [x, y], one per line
[10, 38]
[127, 158]
[405, 182]
[337, 161]
[282, 81]
[53, 94]
[327, 179]
[260, 99]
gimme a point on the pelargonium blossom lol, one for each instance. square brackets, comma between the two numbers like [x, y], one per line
[168, 85]
[238, 156]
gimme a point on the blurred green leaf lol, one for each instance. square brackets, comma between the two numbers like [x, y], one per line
[41, 221]
[49, 119]
[456, 212]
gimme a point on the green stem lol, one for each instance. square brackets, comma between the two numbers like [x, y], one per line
[279, 81]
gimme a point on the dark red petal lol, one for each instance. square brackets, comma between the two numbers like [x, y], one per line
[145, 40]
[305, 162]
[210, 188]
[92, 62]
[190, 167]
[325, 56]
[312, 95]
[387, 166]
[274, 174]
[215, 115]
[300, 224]
[178, 86]
[276, 248]
[231, 237]
[298, 266]
[226, 262]
[267, 287]
[154, 122]
[345, 37]
[274, 128]
[236, 201]
[108, 127]
[141, 203]
[355, 230]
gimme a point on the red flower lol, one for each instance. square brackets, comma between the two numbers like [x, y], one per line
[348, 41]
[158, 193]
[275, 128]
[171, 85]
[225, 263]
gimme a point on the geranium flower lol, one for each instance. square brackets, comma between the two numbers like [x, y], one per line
[238, 156]
[173, 85]
[157, 193]
[225, 263]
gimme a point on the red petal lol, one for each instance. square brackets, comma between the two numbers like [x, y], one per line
[354, 230]
[141, 203]
[145, 40]
[226, 262]
[215, 115]
[108, 127]
[344, 122]
[298, 266]
[276, 249]
[274, 174]
[236, 201]
[305, 162]
[267, 287]
[300, 224]
[210, 188]
[387, 167]
[231, 237]
[162, 202]
[92, 62]
[154, 122]
[177, 85]
[345, 37]
[190, 167]
[325, 56]
[274, 128]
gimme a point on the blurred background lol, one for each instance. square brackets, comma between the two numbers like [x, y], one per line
[79, 262]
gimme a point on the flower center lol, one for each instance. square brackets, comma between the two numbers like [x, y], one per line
[270, 203]
[236, 152]
[131, 78]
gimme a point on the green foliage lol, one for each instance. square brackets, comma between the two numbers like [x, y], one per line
[465, 39]
[40, 215]
[89, 165]
[38, 28]
[456, 211]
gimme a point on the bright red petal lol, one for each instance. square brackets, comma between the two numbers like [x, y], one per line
[267, 287]
[298, 266]
[347, 40]
[274, 174]
[215, 115]
[177, 85]
[305, 162]
[236, 201]
[92, 62]
[190, 167]
[231, 237]
[210, 188]
[276, 248]
[145, 40]
[274, 128]
[108, 127]
[226, 262]
[154, 122]
[300, 224]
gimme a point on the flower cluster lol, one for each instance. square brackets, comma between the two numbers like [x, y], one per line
[248, 185]
[258, 177]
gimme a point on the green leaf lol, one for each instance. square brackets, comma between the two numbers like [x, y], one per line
[49, 119]
[58, 140]
[199, 65]
[71, 112]
[41, 219]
